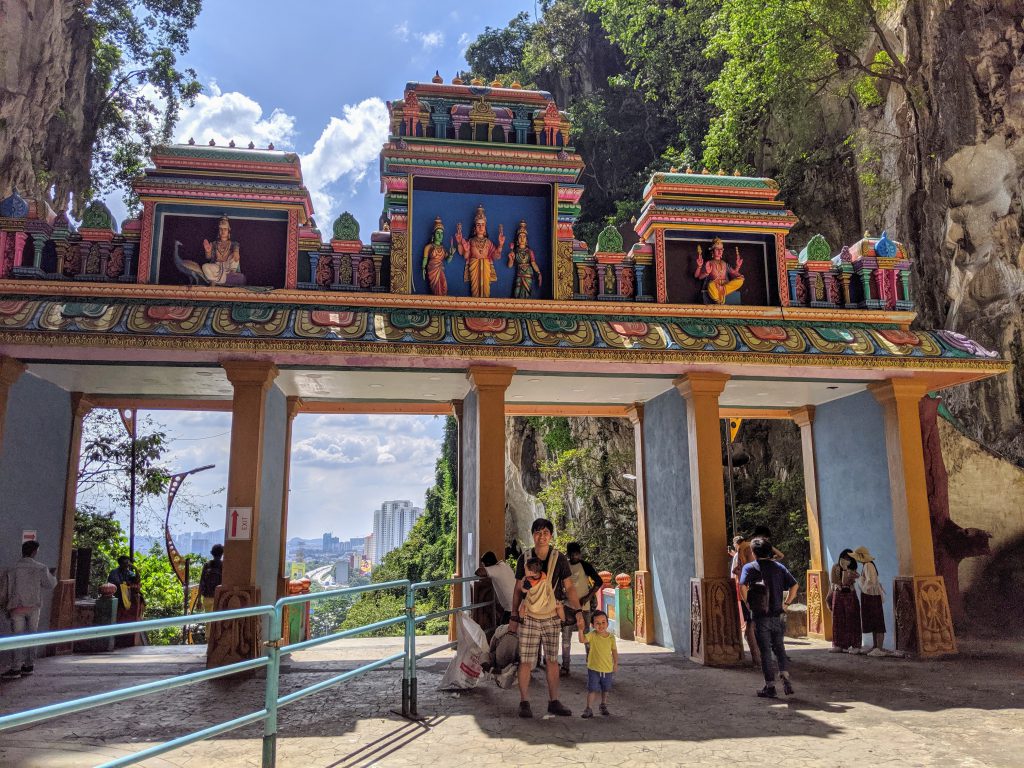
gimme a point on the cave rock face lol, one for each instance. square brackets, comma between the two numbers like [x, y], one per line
[525, 453]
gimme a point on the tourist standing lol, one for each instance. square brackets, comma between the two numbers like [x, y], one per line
[210, 578]
[741, 555]
[25, 584]
[602, 664]
[503, 580]
[872, 612]
[769, 588]
[536, 630]
[129, 594]
[588, 582]
[846, 634]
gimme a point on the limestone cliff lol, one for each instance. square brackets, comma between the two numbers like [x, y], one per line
[599, 500]
[986, 492]
[46, 99]
[940, 164]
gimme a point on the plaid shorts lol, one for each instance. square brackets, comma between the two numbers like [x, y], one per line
[533, 632]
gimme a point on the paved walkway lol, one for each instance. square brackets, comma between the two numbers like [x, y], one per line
[665, 711]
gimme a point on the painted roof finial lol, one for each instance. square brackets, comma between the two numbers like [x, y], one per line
[437, 77]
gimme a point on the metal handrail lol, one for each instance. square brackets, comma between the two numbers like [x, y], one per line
[271, 660]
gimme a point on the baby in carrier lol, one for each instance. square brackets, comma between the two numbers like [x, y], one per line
[538, 595]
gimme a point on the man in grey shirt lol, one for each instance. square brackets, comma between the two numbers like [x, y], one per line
[24, 584]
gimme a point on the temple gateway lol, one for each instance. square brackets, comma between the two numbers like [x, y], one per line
[474, 296]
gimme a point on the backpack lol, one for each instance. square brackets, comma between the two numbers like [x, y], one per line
[757, 599]
[210, 578]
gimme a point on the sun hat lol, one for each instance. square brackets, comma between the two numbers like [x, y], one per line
[862, 555]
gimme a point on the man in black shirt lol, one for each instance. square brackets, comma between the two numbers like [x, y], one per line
[534, 631]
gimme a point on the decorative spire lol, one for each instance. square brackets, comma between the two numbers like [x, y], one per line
[437, 77]
[231, 143]
[456, 80]
[191, 141]
[251, 145]
[213, 143]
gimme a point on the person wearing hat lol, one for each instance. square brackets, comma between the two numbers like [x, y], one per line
[872, 615]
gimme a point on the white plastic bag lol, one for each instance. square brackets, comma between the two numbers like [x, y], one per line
[465, 669]
[507, 677]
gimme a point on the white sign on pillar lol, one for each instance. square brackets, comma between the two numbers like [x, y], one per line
[28, 536]
[239, 523]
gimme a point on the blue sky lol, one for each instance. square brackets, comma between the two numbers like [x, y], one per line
[313, 78]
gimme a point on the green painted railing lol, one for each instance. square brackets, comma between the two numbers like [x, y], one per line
[271, 661]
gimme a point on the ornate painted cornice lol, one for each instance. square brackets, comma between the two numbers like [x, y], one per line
[503, 334]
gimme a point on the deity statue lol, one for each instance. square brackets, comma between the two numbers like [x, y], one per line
[716, 272]
[525, 263]
[223, 259]
[434, 258]
[480, 254]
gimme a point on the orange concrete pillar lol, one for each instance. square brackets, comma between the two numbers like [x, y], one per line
[80, 408]
[456, 597]
[927, 629]
[714, 617]
[819, 617]
[643, 596]
[294, 403]
[490, 384]
[10, 372]
[234, 641]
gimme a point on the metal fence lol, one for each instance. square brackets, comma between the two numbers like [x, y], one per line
[271, 661]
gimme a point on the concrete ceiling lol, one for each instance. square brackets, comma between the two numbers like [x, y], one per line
[429, 386]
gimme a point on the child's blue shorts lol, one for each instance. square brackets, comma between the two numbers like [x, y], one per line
[599, 682]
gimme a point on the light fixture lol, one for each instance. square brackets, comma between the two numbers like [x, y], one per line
[430, 394]
[628, 476]
[376, 386]
[517, 397]
[534, 381]
[434, 378]
[578, 390]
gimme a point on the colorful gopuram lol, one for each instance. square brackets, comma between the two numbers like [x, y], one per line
[474, 297]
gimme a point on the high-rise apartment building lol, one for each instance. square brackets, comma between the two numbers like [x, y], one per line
[391, 526]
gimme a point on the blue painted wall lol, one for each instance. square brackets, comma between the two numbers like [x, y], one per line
[507, 210]
[853, 486]
[268, 550]
[669, 518]
[470, 458]
[33, 473]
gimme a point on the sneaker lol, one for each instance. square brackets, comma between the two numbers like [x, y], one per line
[524, 709]
[876, 652]
[787, 687]
[556, 707]
[768, 692]
[604, 710]
[587, 713]
[27, 669]
[10, 674]
[853, 651]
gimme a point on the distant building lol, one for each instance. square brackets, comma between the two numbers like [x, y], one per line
[341, 571]
[331, 543]
[368, 549]
[391, 526]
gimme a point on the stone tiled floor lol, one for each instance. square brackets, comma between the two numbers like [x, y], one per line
[666, 711]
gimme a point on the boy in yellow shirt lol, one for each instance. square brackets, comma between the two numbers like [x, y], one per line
[602, 663]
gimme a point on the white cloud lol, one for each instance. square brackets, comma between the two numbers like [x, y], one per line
[464, 40]
[401, 31]
[233, 116]
[430, 40]
[346, 149]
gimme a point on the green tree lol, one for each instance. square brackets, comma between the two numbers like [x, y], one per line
[105, 537]
[780, 505]
[498, 52]
[137, 84]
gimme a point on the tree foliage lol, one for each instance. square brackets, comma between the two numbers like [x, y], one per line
[498, 52]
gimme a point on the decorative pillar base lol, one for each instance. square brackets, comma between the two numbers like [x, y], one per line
[236, 640]
[714, 623]
[924, 625]
[643, 608]
[819, 615]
